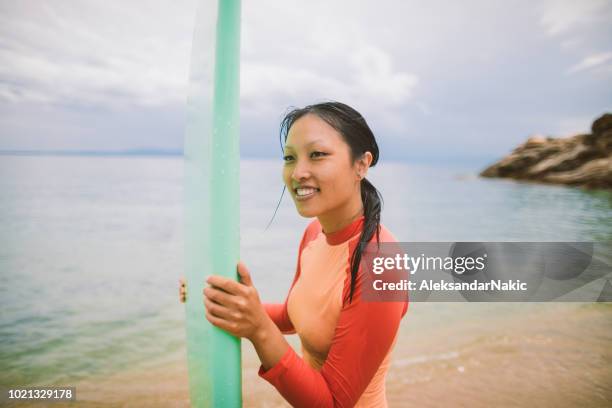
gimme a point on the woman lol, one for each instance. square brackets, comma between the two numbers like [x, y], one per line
[346, 342]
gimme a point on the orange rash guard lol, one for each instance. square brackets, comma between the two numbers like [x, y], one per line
[346, 347]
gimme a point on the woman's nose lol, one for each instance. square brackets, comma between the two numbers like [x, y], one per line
[301, 171]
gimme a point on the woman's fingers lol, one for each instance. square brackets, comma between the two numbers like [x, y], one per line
[222, 312]
[234, 306]
[221, 323]
[230, 285]
[182, 290]
[222, 298]
[227, 285]
[245, 276]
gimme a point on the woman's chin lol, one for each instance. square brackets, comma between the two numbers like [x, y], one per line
[304, 211]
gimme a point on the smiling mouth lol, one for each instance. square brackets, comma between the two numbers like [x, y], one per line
[305, 192]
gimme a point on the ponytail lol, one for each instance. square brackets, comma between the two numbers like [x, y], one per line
[372, 206]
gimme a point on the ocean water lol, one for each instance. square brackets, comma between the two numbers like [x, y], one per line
[91, 250]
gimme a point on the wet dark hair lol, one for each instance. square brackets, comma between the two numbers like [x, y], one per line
[358, 135]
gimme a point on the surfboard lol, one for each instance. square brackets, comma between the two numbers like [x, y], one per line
[212, 212]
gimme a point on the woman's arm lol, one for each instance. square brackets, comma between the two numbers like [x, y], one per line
[270, 344]
[278, 313]
[364, 335]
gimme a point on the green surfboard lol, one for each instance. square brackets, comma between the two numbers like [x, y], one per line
[212, 211]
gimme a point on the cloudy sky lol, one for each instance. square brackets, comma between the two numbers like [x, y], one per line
[435, 79]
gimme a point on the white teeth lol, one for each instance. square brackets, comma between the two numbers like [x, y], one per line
[305, 191]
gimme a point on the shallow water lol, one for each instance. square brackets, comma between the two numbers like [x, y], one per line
[91, 248]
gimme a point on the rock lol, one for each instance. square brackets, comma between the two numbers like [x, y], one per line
[580, 160]
[604, 141]
[536, 140]
[563, 161]
[602, 123]
[593, 174]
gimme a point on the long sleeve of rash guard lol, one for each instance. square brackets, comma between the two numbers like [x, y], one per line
[280, 317]
[364, 334]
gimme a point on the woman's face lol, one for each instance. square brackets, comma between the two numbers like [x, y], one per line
[318, 170]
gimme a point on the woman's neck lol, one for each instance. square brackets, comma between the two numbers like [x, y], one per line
[332, 222]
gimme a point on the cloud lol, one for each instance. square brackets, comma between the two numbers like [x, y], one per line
[376, 76]
[561, 16]
[592, 61]
[107, 54]
[470, 76]
[371, 76]
[303, 53]
[93, 53]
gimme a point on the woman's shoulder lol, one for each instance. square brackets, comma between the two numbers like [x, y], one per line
[313, 229]
[385, 235]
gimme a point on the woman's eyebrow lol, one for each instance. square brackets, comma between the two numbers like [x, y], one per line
[306, 145]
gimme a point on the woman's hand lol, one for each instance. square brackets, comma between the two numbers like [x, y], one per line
[182, 290]
[235, 306]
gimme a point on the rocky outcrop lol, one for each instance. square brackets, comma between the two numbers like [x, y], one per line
[580, 160]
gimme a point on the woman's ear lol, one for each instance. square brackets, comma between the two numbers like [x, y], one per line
[363, 164]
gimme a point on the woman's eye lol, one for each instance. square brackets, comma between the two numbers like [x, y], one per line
[318, 154]
[287, 158]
